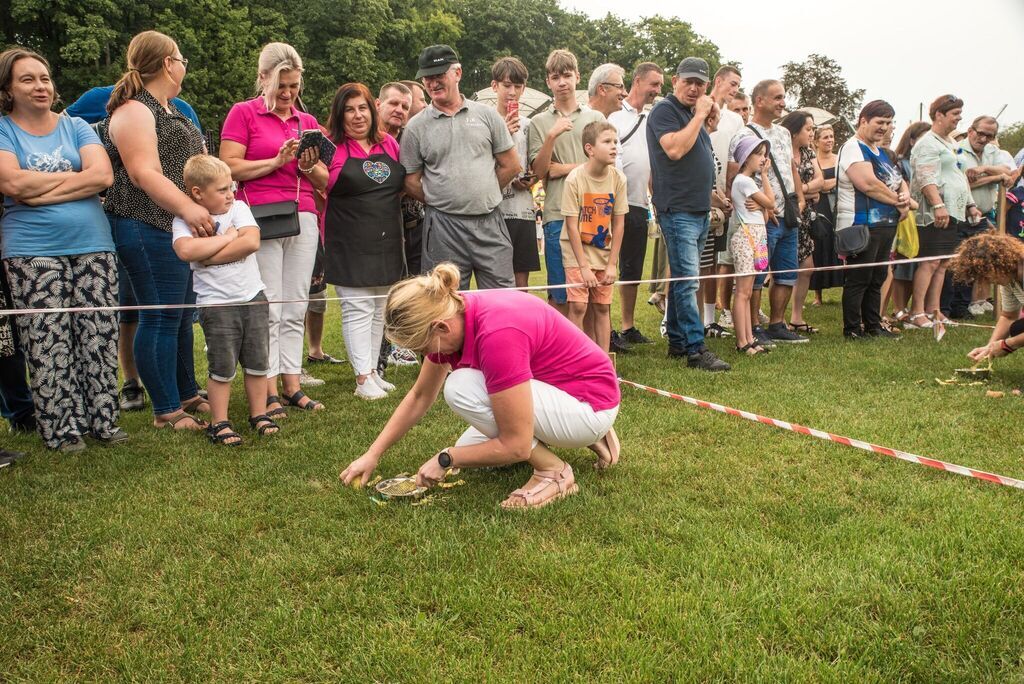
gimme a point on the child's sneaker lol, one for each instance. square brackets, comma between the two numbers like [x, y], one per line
[725, 320]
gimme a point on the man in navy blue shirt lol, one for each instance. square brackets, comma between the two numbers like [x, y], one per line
[683, 175]
[92, 106]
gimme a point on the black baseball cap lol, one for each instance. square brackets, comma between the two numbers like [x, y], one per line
[693, 67]
[435, 60]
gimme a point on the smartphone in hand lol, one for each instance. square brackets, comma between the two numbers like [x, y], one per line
[315, 139]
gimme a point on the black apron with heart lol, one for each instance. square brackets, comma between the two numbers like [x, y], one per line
[363, 227]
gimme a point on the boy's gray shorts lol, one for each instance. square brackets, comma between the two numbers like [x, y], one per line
[237, 334]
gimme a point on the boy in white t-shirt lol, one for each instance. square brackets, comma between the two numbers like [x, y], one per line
[748, 238]
[225, 271]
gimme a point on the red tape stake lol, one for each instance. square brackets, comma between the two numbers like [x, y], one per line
[828, 436]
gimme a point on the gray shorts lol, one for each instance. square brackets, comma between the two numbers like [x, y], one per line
[237, 334]
[476, 244]
[317, 302]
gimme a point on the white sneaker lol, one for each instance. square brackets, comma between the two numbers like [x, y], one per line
[987, 305]
[308, 380]
[381, 382]
[977, 308]
[402, 357]
[725, 320]
[663, 328]
[369, 390]
[762, 318]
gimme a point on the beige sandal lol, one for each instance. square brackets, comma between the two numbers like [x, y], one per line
[552, 485]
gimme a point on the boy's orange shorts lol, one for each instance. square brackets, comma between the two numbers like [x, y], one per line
[576, 292]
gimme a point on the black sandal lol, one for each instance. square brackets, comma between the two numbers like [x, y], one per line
[758, 349]
[803, 327]
[216, 436]
[262, 423]
[279, 411]
[294, 400]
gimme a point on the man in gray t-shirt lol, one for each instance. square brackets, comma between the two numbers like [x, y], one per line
[458, 155]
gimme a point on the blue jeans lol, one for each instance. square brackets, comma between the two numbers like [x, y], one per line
[685, 233]
[553, 260]
[163, 343]
[782, 253]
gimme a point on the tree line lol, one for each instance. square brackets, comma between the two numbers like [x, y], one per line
[373, 41]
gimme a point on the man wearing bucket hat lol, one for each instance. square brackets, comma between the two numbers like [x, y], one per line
[683, 175]
[458, 155]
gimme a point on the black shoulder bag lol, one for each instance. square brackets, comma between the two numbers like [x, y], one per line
[278, 220]
[791, 213]
[853, 239]
[632, 130]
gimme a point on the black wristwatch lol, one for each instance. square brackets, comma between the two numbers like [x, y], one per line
[444, 459]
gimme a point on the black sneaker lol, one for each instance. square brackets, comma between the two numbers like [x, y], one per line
[133, 397]
[882, 333]
[677, 353]
[7, 458]
[633, 336]
[780, 333]
[706, 360]
[618, 344]
[762, 337]
[715, 330]
[855, 335]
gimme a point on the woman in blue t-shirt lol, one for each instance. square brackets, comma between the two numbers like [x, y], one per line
[872, 193]
[58, 252]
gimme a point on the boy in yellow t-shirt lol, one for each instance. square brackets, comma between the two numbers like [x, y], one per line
[594, 205]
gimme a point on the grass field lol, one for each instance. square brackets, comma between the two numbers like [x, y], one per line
[718, 549]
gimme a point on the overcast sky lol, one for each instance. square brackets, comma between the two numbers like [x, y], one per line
[903, 51]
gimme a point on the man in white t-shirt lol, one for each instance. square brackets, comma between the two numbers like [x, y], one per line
[635, 162]
[725, 87]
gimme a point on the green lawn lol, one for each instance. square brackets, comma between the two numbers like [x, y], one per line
[718, 549]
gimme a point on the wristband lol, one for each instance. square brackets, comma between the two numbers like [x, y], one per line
[1006, 347]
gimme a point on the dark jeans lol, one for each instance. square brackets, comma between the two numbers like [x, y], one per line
[956, 297]
[862, 293]
[16, 404]
[163, 343]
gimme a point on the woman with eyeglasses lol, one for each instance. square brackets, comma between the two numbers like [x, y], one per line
[941, 189]
[259, 141]
[149, 140]
[522, 376]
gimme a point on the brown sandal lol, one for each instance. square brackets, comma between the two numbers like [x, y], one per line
[193, 404]
[172, 422]
[552, 485]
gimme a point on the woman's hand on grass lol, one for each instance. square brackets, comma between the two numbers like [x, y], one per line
[360, 470]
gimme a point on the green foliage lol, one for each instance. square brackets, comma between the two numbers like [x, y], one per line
[1011, 138]
[818, 82]
[372, 41]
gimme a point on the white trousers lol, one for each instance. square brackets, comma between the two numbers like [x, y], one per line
[286, 266]
[559, 419]
[362, 325]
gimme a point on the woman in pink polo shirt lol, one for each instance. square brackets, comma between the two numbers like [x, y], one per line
[259, 141]
[518, 372]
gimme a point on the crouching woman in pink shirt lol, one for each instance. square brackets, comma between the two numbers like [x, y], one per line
[522, 376]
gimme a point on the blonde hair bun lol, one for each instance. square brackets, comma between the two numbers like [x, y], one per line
[416, 303]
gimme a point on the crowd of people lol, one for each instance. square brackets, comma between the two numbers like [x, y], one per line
[117, 200]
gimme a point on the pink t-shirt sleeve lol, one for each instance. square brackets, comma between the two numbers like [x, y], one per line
[504, 358]
[340, 157]
[390, 146]
[236, 126]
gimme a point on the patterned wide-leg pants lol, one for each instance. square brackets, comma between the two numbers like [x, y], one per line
[72, 357]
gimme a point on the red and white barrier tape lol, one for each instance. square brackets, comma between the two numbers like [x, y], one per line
[536, 288]
[828, 436]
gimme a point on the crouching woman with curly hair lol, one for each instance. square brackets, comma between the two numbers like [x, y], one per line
[999, 259]
[522, 376]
